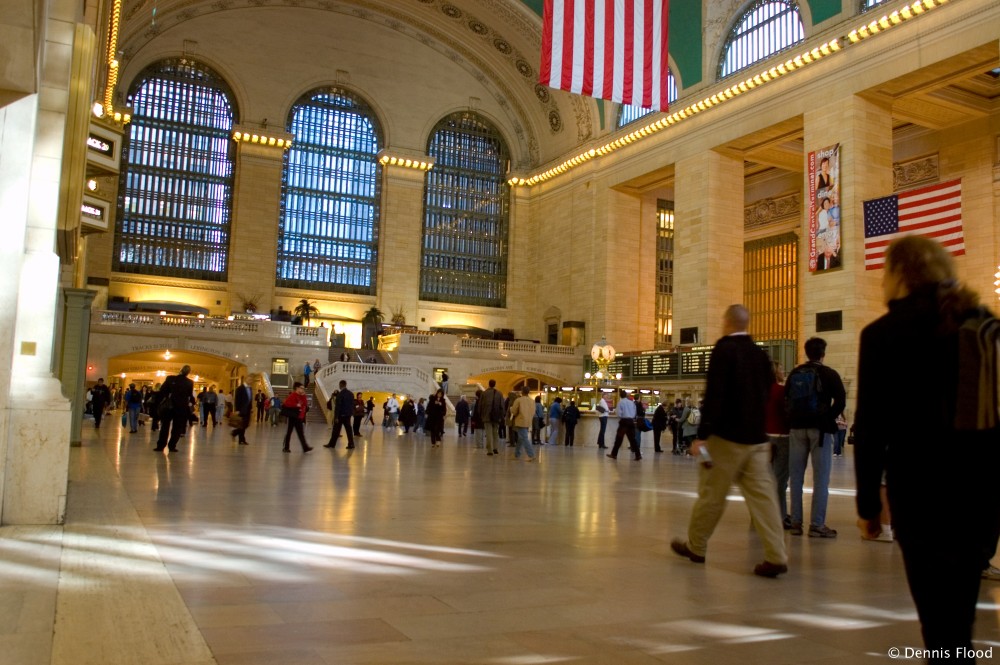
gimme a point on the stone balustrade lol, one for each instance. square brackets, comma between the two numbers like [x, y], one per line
[246, 330]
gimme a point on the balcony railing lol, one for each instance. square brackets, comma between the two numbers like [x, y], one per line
[445, 343]
[211, 328]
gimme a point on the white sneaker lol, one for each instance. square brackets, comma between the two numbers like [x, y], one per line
[991, 573]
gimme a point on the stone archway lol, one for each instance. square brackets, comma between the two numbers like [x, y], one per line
[150, 367]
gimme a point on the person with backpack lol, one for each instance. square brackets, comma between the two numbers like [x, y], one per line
[133, 404]
[489, 409]
[690, 419]
[814, 397]
[940, 471]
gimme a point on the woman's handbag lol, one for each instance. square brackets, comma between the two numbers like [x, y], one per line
[235, 420]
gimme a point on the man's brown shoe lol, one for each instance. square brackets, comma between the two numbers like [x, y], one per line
[768, 569]
[681, 548]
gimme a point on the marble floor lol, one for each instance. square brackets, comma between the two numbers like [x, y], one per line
[399, 553]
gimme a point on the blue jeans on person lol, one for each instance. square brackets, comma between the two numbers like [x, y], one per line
[804, 444]
[838, 448]
[779, 463]
[523, 443]
[133, 417]
[600, 435]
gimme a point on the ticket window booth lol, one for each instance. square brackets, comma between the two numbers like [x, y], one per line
[280, 373]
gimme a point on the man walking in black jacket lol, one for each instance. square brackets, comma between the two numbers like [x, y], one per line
[176, 397]
[733, 435]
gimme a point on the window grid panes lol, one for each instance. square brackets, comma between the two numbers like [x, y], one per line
[176, 185]
[628, 114]
[464, 258]
[769, 26]
[868, 4]
[770, 286]
[328, 227]
[664, 274]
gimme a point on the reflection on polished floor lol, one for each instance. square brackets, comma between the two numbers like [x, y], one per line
[399, 553]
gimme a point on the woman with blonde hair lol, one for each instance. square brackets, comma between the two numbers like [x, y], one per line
[941, 482]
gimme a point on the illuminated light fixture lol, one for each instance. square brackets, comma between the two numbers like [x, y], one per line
[929, 4]
[917, 7]
[167, 355]
[873, 27]
[92, 185]
[834, 45]
[757, 80]
[816, 53]
[799, 61]
[591, 152]
[773, 71]
[260, 139]
[163, 313]
[884, 23]
[743, 86]
[905, 12]
[782, 69]
[98, 110]
[894, 17]
[405, 162]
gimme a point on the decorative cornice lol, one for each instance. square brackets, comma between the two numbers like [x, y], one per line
[772, 211]
[173, 282]
[915, 172]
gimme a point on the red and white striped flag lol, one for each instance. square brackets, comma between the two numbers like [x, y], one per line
[611, 49]
[934, 211]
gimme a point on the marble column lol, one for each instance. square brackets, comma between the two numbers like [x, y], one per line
[253, 242]
[400, 238]
[708, 242]
[864, 131]
[73, 359]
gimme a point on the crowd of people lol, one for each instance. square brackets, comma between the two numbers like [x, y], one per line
[756, 428]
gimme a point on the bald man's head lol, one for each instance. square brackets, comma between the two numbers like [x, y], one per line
[736, 319]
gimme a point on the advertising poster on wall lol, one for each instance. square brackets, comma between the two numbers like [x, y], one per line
[824, 209]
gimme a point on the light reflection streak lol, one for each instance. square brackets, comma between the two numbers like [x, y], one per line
[828, 622]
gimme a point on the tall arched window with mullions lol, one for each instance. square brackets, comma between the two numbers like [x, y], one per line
[628, 114]
[466, 214]
[176, 186]
[328, 230]
[765, 28]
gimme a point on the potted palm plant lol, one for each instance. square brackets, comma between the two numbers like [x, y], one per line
[371, 325]
[306, 310]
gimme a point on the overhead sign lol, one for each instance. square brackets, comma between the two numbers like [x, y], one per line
[104, 147]
[94, 213]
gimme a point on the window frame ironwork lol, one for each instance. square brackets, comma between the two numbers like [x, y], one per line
[866, 5]
[741, 31]
[627, 114]
[186, 171]
[770, 286]
[466, 217]
[327, 251]
[665, 236]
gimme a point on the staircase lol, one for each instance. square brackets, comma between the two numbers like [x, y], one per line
[315, 414]
[368, 356]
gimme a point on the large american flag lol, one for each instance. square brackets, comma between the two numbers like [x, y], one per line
[934, 211]
[611, 49]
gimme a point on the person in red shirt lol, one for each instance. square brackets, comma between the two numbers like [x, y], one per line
[294, 409]
[777, 431]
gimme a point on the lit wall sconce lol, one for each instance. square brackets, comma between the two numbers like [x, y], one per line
[386, 159]
[262, 139]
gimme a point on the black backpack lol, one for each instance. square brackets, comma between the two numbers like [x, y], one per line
[802, 392]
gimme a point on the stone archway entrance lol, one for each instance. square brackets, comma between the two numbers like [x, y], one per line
[152, 366]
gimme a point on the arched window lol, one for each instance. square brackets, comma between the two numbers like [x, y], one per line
[177, 182]
[328, 229]
[766, 28]
[628, 114]
[868, 4]
[464, 258]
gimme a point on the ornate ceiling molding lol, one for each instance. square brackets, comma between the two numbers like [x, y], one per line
[135, 37]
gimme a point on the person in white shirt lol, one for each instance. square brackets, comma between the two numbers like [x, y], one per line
[393, 410]
[602, 408]
[626, 426]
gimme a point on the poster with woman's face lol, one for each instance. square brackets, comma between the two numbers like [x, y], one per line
[824, 209]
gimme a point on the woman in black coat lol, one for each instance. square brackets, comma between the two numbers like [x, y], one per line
[571, 416]
[436, 410]
[408, 415]
[941, 482]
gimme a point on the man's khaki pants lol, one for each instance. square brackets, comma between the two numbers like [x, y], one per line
[749, 467]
